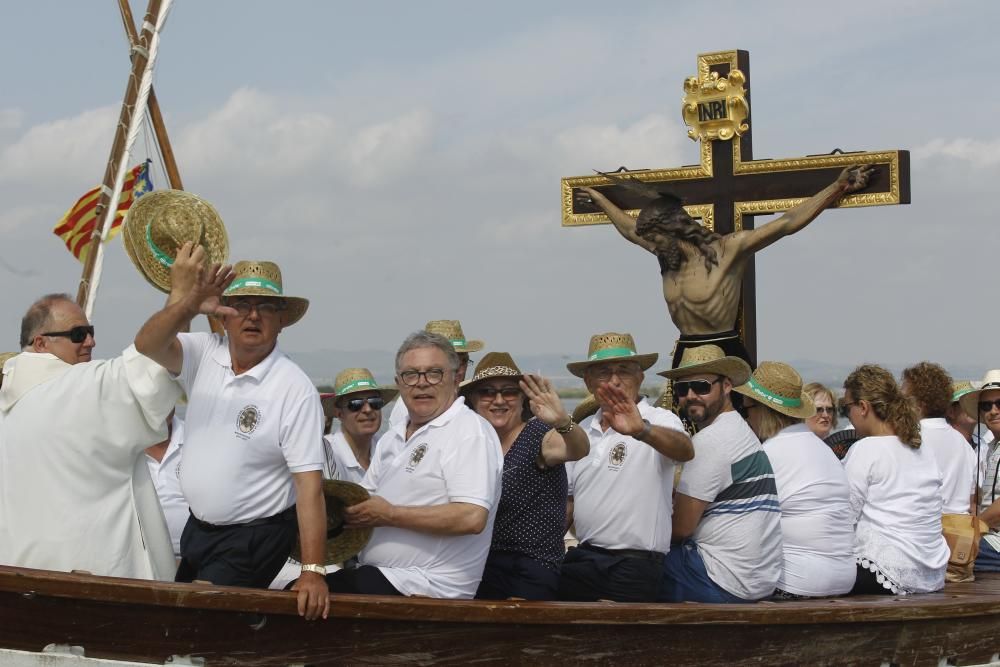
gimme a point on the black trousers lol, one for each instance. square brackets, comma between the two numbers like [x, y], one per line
[867, 584]
[589, 573]
[249, 554]
[365, 580]
[511, 575]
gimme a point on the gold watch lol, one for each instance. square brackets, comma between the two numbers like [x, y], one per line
[312, 567]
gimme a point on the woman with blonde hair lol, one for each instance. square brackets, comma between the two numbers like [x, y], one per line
[895, 490]
[824, 421]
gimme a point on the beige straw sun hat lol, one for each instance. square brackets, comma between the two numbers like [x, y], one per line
[712, 360]
[160, 222]
[452, 330]
[493, 365]
[355, 381]
[257, 278]
[611, 346]
[779, 387]
[970, 399]
[341, 542]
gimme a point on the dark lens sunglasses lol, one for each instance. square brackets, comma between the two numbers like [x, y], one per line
[77, 334]
[699, 387]
[986, 406]
[355, 404]
[505, 392]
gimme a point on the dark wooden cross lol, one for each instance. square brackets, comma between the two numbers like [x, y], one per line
[729, 187]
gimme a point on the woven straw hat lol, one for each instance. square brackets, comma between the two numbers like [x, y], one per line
[341, 542]
[493, 365]
[160, 222]
[709, 359]
[969, 401]
[355, 381]
[960, 389]
[452, 330]
[258, 278]
[585, 408]
[611, 346]
[779, 387]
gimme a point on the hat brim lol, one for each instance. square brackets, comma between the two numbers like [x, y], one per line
[213, 234]
[585, 408]
[388, 393]
[970, 401]
[346, 543]
[806, 409]
[734, 368]
[645, 361]
[297, 305]
[470, 346]
[466, 385]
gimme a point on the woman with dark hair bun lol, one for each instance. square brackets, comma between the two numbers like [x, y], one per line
[895, 490]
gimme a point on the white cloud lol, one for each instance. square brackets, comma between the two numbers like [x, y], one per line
[61, 150]
[979, 153]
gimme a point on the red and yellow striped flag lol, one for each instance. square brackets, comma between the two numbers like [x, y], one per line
[75, 228]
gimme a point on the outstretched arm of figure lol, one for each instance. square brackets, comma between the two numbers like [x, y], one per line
[547, 406]
[622, 221]
[850, 180]
[194, 288]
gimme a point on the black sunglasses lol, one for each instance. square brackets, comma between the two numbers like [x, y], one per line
[700, 387]
[77, 334]
[985, 406]
[355, 404]
[490, 393]
[845, 409]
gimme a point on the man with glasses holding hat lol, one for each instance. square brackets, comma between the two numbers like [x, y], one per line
[622, 488]
[253, 455]
[75, 493]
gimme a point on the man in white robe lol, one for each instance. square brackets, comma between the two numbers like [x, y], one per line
[75, 492]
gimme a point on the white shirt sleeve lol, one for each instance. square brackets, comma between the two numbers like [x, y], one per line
[858, 466]
[705, 476]
[194, 348]
[469, 470]
[301, 432]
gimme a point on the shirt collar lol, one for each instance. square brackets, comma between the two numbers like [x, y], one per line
[399, 428]
[222, 357]
[935, 422]
[645, 409]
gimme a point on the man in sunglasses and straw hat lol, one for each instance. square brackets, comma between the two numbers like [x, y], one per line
[622, 488]
[726, 513]
[983, 405]
[253, 456]
[357, 401]
[76, 493]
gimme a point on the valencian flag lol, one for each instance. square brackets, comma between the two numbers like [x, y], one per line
[75, 228]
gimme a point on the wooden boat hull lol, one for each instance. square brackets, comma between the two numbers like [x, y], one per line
[150, 622]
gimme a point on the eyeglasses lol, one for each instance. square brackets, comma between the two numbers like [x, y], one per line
[507, 393]
[825, 410]
[77, 334]
[845, 409]
[985, 406]
[699, 387]
[263, 308]
[604, 373]
[431, 376]
[356, 404]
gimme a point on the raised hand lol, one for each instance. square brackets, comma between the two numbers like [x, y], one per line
[856, 178]
[200, 285]
[584, 195]
[543, 399]
[621, 412]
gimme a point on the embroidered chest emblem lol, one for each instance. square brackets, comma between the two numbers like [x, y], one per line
[617, 455]
[417, 456]
[247, 422]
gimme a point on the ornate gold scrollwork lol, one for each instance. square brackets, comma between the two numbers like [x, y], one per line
[715, 107]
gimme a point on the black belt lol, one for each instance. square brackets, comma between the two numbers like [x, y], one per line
[280, 517]
[627, 553]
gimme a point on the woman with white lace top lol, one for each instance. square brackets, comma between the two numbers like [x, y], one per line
[895, 490]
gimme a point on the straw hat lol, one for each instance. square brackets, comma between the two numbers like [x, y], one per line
[611, 346]
[160, 222]
[258, 278]
[493, 365]
[341, 542]
[452, 330]
[960, 389]
[585, 408]
[779, 387]
[709, 359]
[355, 381]
[969, 401]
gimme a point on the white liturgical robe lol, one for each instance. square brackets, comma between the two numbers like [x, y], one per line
[75, 492]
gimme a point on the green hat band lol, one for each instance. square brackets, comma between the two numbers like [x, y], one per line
[357, 384]
[161, 257]
[771, 397]
[457, 342]
[254, 282]
[611, 352]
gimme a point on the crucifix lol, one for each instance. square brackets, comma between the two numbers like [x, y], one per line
[726, 190]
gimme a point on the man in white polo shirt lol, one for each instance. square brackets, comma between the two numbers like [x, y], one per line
[437, 483]
[622, 488]
[253, 452]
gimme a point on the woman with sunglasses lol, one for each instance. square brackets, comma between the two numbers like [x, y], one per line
[357, 402]
[824, 421]
[895, 490]
[816, 530]
[537, 436]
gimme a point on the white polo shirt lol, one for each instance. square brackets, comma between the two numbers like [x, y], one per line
[345, 465]
[623, 489]
[246, 434]
[455, 458]
[955, 459]
[166, 478]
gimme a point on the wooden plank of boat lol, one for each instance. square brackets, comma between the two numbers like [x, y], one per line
[146, 621]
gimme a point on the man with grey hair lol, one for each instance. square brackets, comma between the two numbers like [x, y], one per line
[436, 485]
[71, 465]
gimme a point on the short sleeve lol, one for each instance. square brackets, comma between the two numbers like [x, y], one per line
[469, 469]
[194, 348]
[301, 434]
[707, 474]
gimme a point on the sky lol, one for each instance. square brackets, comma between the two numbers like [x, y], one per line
[401, 163]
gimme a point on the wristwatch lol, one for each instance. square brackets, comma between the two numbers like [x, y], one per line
[312, 567]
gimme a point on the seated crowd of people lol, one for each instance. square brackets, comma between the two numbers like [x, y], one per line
[475, 481]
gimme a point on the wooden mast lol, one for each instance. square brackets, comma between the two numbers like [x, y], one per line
[105, 207]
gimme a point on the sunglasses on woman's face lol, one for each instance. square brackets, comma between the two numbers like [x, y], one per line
[77, 334]
[355, 404]
[823, 409]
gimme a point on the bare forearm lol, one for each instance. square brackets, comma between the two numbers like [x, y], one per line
[670, 443]
[806, 212]
[157, 339]
[311, 510]
[447, 519]
[622, 221]
[562, 447]
[991, 516]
